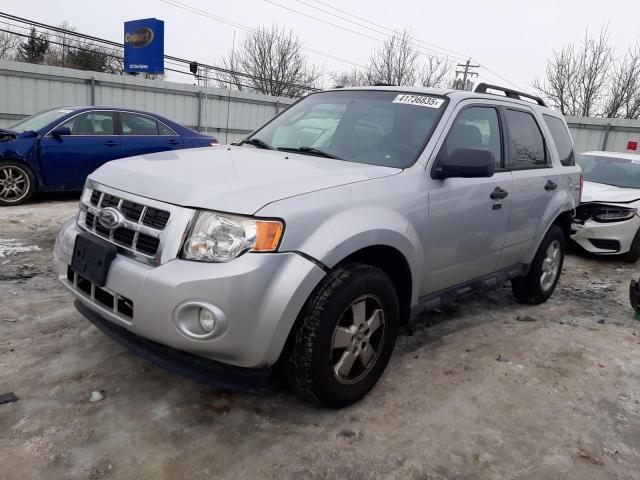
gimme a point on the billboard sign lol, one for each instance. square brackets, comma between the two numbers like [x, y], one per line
[144, 46]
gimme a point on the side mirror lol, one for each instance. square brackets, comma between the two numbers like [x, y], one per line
[467, 163]
[60, 131]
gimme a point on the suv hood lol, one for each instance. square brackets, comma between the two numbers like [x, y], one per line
[230, 178]
[601, 192]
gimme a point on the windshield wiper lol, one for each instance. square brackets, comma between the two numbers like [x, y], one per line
[256, 142]
[311, 150]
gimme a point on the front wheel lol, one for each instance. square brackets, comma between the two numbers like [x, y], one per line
[17, 183]
[538, 285]
[345, 336]
[634, 251]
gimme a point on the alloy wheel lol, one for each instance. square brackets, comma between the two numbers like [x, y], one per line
[14, 183]
[358, 339]
[550, 265]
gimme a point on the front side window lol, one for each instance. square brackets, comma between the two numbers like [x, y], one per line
[91, 123]
[365, 126]
[526, 144]
[610, 170]
[476, 128]
[135, 124]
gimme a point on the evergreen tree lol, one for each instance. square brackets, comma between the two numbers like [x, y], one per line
[33, 50]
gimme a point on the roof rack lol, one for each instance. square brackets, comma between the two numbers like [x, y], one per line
[483, 87]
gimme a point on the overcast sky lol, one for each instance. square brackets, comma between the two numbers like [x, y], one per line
[512, 38]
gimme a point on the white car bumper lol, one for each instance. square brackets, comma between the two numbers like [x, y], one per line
[611, 238]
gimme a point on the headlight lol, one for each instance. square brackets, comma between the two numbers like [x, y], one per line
[613, 214]
[217, 237]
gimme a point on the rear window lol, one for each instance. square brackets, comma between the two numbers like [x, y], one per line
[561, 139]
[526, 142]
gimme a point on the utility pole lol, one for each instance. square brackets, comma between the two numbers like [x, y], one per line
[467, 74]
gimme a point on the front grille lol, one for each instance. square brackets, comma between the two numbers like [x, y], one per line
[120, 305]
[141, 230]
[604, 244]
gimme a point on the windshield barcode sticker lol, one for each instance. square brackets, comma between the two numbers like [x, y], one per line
[422, 100]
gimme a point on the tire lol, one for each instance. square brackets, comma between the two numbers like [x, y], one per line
[533, 288]
[17, 183]
[319, 367]
[634, 252]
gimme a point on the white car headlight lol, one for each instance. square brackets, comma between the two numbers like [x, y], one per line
[218, 237]
[613, 214]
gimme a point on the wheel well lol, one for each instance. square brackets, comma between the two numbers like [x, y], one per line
[393, 263]
[564, 222]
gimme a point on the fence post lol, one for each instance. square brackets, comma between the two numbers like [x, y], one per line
[93, 90]
[277, 108]
[199, 95]
[605, 140]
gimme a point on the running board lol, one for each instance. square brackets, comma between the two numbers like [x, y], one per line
[453, 294]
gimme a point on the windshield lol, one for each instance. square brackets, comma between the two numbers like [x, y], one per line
[365, 126]
[619, 172]
[40, 120]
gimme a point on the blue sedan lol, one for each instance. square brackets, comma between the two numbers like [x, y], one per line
[55, 150]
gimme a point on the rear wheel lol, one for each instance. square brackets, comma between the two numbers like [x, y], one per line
[544, 273]
[345, 336]
[17, 183]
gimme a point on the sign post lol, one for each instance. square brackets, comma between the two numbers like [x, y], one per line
[144, 46]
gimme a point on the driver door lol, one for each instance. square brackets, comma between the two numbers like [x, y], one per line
[467, 227]
[69, 159]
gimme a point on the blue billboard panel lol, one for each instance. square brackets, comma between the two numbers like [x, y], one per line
[144, 46]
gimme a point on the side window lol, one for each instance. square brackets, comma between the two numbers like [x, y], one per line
[91, 123]
[561, 139]
[135, 124]
[526, 148]
[164, 130]
[477, 127]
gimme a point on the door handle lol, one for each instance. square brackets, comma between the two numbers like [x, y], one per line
[111, 143]
[173, 142]
[551, 185]
[498, 193]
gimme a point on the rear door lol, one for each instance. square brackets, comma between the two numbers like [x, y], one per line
[144, 134]
[534, 183]
[467, 225]
[67, 160]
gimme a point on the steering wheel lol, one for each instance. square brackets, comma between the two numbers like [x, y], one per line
[402, 153]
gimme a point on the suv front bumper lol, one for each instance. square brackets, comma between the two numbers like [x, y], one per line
[260, 296]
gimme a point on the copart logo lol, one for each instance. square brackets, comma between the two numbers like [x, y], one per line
[140, 38]
[110, 218]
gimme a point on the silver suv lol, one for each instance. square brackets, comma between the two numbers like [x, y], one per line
[305, 246]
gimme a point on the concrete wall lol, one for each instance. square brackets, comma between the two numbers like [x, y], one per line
[610, 134]
[26, 89]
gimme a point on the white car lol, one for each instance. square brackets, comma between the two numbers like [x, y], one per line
[607, 222]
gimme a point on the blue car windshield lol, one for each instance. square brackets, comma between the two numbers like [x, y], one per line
[378, 127]
[40, 120]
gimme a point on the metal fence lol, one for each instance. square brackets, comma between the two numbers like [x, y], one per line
[227, 115]
[609, 134]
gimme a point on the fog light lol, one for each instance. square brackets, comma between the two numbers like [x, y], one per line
[207, 320]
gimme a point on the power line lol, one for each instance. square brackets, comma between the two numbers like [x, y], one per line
[232, 23]
[453, 53]
[414, 41]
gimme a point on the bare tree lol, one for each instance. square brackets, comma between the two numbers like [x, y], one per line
[354, 78]
[395, 62]
[8, 45]
[623, 98]
[436, 72]
[576, 79]
[560, 83]
[272, 62]
[595, 60]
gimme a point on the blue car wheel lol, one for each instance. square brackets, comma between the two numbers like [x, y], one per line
[17, 183]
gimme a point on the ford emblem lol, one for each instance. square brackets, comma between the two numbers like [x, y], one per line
[110, 218]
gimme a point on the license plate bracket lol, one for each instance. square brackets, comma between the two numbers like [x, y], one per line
[92, 258]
